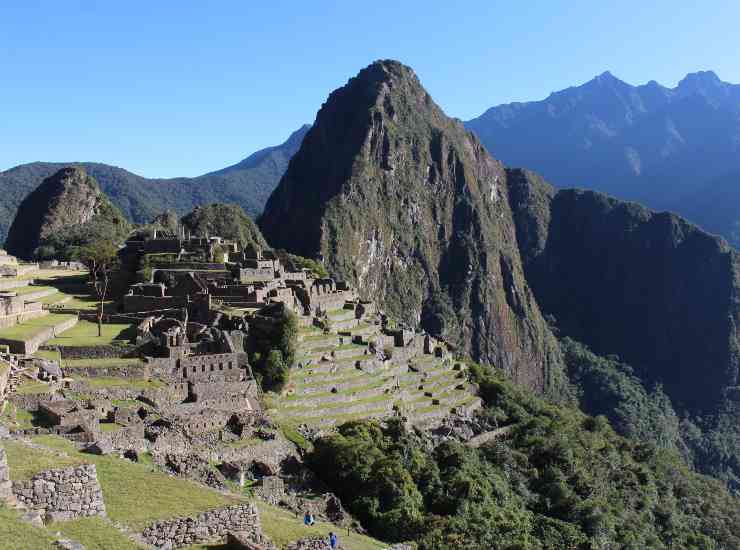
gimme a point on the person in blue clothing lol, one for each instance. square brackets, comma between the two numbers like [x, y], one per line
[332, 540]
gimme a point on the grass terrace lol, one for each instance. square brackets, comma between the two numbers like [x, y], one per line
[16, 534]
[137, 495]
[85, 333]
[32, 387]
[32, 327]
[95, 533]
[25, 461]
[23, 290]
[284, 527]
[16, 418]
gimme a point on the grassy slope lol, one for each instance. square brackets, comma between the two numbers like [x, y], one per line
[25, 461]
[135, 495]
[95, 534]
[32, 327]
[19, 535]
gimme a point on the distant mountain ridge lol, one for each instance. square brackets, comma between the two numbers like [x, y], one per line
[648, 143]
[247, 183]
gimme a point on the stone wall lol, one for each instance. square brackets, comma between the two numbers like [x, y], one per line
[270, 453]
[126, 437]
[63, 494]
[115, 371]
[95, 352]
[4, 377]
[32, 344]
[206, 527]
[6, 487]
[31, 401]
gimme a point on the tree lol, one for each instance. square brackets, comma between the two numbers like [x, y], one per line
[101, 258]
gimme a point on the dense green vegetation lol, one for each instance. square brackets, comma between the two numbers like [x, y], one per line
[272, 355]
[299, 262]
[225, 220]
[560, 480]
[709, 443]
[608, 387]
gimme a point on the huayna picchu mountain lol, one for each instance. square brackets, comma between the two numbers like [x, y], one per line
[406, 205]
[66, 210]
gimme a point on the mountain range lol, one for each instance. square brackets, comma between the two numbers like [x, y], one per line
[247, 183]
[668, 148]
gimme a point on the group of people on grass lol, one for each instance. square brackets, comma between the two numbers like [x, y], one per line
[309, 520]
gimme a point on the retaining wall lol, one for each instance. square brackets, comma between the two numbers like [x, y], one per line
[63, 494]
[32, 344]
[206, 527]
[6, 487]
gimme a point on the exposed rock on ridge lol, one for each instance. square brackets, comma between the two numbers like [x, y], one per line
[407, 205]
[68, 199]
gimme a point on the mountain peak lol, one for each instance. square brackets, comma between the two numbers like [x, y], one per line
[700, 81]
[63, 204]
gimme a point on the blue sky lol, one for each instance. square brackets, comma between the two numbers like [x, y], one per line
[182, 88]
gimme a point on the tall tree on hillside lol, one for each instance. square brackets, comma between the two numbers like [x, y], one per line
[101, 258]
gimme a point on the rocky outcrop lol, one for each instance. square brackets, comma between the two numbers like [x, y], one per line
[69, 201]
[650, 287]
[406, 205]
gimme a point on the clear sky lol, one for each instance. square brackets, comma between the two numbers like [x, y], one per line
[167, 88]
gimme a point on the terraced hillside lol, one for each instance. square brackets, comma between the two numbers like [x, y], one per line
[350, 369]
[135, 495]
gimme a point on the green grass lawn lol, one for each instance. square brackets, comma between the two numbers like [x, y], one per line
[26, 461]
[107, 427]
[16, 534]
[30, 387]
[95, 533]
[284, 527]
[32, 327]
[136, 495]
[16, 418]
[85, 333]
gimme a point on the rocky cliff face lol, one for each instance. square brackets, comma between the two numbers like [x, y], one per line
[407, 205]
[650, 287]
[65, 202]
